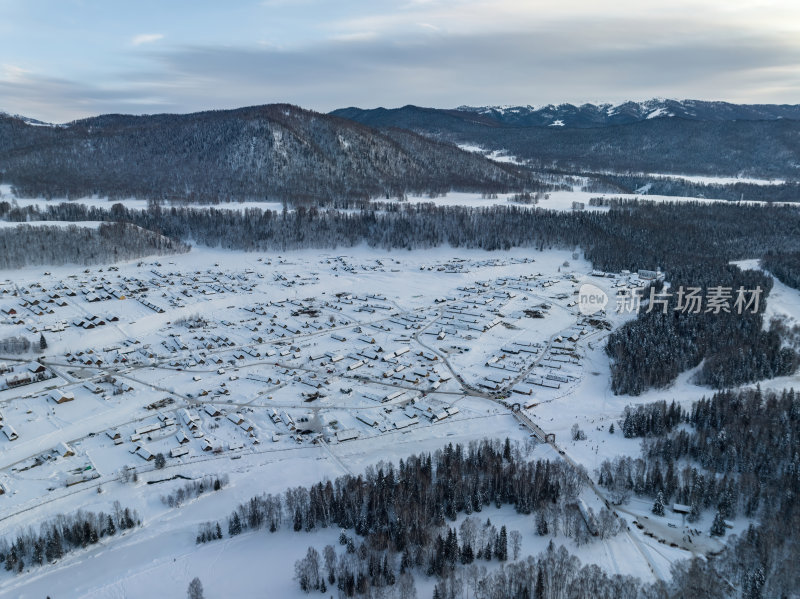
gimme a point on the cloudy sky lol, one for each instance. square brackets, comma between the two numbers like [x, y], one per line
[65, 59]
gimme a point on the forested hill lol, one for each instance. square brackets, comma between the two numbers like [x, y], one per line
[275, 152]
[758, 141]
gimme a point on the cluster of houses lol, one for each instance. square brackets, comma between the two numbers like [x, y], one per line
[175, 434]
[23, 374]
[462, 265]
[313, 350]
[40, 302]
[8, 431]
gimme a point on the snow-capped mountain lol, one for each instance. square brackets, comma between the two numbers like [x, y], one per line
[688, 136]
[598, 115]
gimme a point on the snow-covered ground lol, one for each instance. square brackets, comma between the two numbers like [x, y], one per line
[716, 180]
[268, 354]
[7, 195]
[496, 155]
[556, 200]
[87, 224]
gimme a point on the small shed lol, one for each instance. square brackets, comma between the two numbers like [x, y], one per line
[62, 396]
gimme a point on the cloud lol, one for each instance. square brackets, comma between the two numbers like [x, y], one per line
[359, 36]
[570, 60]
[60, 100]
[146, 38]
[12, 73]
[610, 63]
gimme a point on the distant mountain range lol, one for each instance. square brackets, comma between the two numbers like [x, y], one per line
[275, 152]
[583, 116]
[601, 115]
[687, 137]
[282, 152]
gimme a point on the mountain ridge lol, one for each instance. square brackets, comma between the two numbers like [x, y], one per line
[702, 138]
[590, 115]
[275, 151]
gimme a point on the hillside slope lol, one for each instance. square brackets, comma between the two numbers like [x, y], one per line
[278, 152]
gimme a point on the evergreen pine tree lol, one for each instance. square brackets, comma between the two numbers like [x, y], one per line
[538, 592]
[111, 530]
[467, 556]
[234, 525]
[658, 506]
[298, 520]
[405, 561]
[502, 544]
[541, 524]
[12, 557]
[694, 512]
[718, 526]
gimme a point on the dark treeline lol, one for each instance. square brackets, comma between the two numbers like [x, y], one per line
[646, 420]
[653, 349]
[27, 245]
[618, 202]
[15, 345]
[193, 489]
[399, 508]
[672, 186]
[740, 458]
[636, 235]
[785, 266]
[61, 534]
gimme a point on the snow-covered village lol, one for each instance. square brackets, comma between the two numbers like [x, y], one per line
[253, 373]
[433, 299]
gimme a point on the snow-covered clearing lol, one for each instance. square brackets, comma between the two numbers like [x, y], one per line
[86, 224]
[496, 155]
[7, 194]
[557, 200]
[717, 180]
[248, 361]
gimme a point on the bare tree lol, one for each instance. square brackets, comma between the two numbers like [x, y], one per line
[307, 571]
[195, 590]
[405, 586]
[329, 555]
[516, 542]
